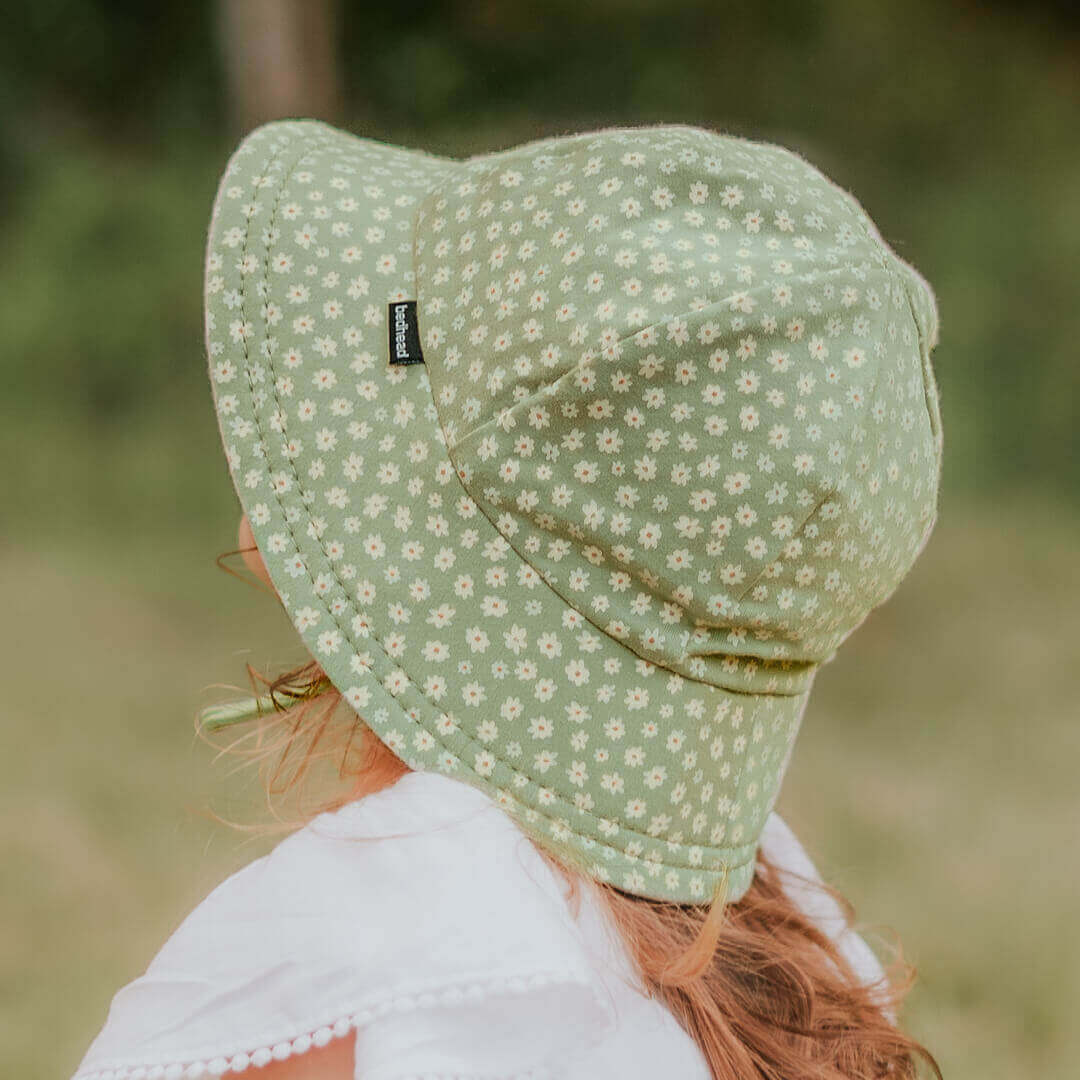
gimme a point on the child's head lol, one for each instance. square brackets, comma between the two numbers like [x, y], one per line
[573, 463]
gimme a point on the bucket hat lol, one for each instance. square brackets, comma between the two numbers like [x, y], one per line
[573, 462]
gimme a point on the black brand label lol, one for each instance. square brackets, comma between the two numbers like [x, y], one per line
[404, 334]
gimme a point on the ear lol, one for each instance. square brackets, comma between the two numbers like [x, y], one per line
[252, 558]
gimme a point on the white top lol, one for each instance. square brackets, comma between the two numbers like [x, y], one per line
[446, 950]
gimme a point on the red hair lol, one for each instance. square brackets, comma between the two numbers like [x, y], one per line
[759, 987]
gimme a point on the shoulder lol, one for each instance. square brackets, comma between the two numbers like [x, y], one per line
[412, 907]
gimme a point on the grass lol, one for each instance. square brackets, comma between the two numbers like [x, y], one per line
[933, 781]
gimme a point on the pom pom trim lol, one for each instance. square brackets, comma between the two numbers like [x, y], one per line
[209, 1066]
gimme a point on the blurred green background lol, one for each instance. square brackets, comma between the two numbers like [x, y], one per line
[935, 780]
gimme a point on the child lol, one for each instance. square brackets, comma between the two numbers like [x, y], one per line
[571, 463]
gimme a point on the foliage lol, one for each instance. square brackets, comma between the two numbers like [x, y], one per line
[955, 127]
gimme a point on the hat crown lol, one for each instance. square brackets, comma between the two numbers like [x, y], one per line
[689, 383]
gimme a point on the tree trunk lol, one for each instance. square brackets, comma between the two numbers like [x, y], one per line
[281, 59]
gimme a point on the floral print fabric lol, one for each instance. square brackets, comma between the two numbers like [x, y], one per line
[675, 435]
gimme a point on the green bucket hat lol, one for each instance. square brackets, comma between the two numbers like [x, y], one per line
[572, 463]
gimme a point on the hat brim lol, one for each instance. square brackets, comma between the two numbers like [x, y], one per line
[362, 520]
